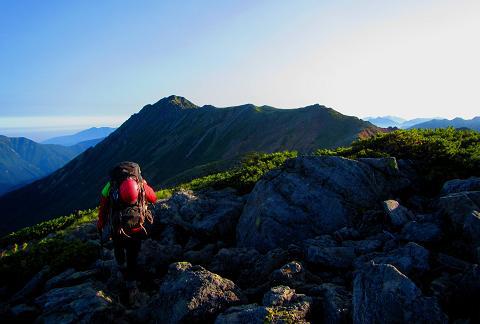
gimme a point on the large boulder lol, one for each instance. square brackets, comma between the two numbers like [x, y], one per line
[70, 278]
[310, 196]
[382, 294]
[336, 302]
[192, 294]
[231, 262]
[397, 214]
[210, 214]
[155, 255]
[338, 257]
[281, 304]
[456, 207]
[411, 258]
[466, 294]
[263, 267]
[33, 286]
[243, 314]
[421, 232]
[85, 303]
[460, 185]
[471, 227]
[364, 246]
[291, 274]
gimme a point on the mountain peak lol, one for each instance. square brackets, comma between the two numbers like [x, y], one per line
[177, 101]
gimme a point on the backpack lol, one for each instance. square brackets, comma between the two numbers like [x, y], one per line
[127, 219]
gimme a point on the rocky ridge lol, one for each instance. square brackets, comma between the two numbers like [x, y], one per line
[320, 240]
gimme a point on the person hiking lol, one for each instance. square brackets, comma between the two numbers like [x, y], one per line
[121, 218]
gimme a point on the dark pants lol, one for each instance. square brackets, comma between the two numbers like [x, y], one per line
[130, 247]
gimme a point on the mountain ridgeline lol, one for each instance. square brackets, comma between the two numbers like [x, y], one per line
[94, 134]
[174, 140]
[473, 123]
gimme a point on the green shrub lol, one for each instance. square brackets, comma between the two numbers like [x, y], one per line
[42, 229]
[252, 167]
[164, 193]
[19, 265]
[440, 154]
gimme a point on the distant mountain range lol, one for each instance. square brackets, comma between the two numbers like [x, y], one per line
[94, 133]
[23, 161]
[456, 123]
[175, 140]
[393, 121]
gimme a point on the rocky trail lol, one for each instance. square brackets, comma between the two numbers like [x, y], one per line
[321, 240]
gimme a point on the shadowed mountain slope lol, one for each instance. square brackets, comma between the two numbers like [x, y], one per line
[23, 160]
[173, 137]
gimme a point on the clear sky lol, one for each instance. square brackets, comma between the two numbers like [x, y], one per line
[86, 60]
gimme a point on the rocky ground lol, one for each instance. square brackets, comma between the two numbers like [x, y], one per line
[322, 240]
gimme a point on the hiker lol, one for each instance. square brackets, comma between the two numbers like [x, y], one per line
[121, 217]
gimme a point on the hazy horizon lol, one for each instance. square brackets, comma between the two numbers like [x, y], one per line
[410, 59]
[40, 128]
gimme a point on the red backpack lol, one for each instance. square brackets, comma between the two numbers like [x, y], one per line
[127, 218]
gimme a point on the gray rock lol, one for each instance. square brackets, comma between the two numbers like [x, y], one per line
[467, 291]
[244, 314]
[457, 185]
[191, 293]
[33, 286]
[169, 235]
[280, 305]
[285, 305]
[232, 261]
[281, 295]
[211, 214]
[311, 196]
[336, 303]
[203, 256]
[69, 278]
[408, 259]
[85, 303]
[23, 313]
[346, 233]
[382, 294]
[291, 274]
[421, 232]
[452, 263]
[106, 266]
[471, 227]
[263, 267]
[278, 296]
[457, 206]
[397, 214]
[476, 253]
[387, 166]
[364, 246]
[155, 255]
[321, 241]
[340, 257]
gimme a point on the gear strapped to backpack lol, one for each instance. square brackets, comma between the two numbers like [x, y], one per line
[127, 216]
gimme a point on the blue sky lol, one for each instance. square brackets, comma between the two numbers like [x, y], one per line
[90, 59]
